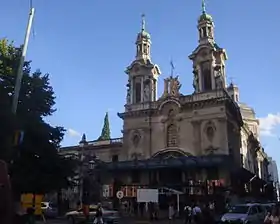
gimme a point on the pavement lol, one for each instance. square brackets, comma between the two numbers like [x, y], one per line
[122, 221]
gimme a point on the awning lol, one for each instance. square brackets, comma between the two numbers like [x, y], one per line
[180, 162]
[247, 176]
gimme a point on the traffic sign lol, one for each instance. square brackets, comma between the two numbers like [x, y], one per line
[119, 195]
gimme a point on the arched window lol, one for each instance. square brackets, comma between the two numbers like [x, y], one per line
[137, 92]
[207, 83]
[172, 136]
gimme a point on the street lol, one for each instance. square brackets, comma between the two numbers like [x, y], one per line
[123, 221]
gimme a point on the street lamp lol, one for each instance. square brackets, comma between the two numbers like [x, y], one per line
[21, 62]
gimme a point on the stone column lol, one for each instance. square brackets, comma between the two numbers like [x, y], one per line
[197, 137]
[212, 65]
[200, 79]
[131, 89]
[259, 168]
[222, 132]
[142, 89]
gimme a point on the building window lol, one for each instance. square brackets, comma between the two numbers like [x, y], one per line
[135, 176]
[207, 82]
[137, 92]
[115, 158]
[172, 136]
[204, 32]
[236, 98]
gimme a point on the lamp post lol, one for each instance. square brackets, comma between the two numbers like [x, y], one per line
[21, 62]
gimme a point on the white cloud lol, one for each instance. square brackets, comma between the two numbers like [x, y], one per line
[72, 133]
[269, 123]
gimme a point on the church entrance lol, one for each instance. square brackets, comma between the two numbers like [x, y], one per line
[170, 177]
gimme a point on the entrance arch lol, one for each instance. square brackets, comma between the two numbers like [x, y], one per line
[172, 152]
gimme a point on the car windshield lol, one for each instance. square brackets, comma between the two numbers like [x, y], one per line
[52, 205]
[239, 209]
[90, 209]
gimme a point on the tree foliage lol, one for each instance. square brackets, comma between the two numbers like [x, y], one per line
[36, 166]
[106, 132]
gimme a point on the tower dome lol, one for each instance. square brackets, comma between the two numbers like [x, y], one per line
[204, 16]
[143, 34]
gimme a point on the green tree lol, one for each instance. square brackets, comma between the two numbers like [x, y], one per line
[37, 166]
[105, 133]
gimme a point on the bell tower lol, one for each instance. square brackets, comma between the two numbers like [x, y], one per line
[142, 72]
[208, 58]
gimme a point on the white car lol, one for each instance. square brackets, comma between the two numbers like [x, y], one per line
[245, 213]
[49, 209]
[109, 216]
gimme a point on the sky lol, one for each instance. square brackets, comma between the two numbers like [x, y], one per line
[86, 45]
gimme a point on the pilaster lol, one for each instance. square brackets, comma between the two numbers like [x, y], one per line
[197, 137]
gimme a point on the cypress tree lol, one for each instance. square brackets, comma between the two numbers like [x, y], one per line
[106, 133]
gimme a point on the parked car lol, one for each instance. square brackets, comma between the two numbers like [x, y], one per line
[109, 216]
[268, 206]
[245, 213]
[49, 209]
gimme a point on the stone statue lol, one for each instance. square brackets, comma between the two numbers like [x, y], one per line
[147, 92]
[128, 98]
[195, 81]
[175, 86]
[219, 80]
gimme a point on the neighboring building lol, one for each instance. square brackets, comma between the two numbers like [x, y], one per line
[273, 175]
[256, 161]
[197, 143]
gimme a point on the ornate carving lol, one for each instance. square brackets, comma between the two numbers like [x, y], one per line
[171, 87]
[136, 137]
[211, 150]
[210, 130]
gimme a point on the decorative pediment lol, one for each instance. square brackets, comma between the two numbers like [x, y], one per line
[138, 65]
[170, 153]
[171, 103]
[201, 50]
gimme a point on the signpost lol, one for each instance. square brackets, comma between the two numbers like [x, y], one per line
[119, 195]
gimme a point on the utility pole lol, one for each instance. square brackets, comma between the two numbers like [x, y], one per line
[21, 62]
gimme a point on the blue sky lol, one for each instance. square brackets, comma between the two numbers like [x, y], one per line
[86, 46]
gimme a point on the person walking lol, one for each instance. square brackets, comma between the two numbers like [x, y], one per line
[98, 215]
[196, 211]
[188, 214]
[30, 217]
[170, 212]
[273, 217]
[207, 216]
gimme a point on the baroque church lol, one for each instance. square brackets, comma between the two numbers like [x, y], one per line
[176, 140]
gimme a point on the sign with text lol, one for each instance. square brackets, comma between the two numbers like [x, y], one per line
[147, 195]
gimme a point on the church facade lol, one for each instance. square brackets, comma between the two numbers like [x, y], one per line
[190, 143]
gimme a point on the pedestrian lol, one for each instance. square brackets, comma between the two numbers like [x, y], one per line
[171, 212]
[98, 219]
[273, 217]
[207, 216]
[188, 214]
[30, 218]
[196, 211]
